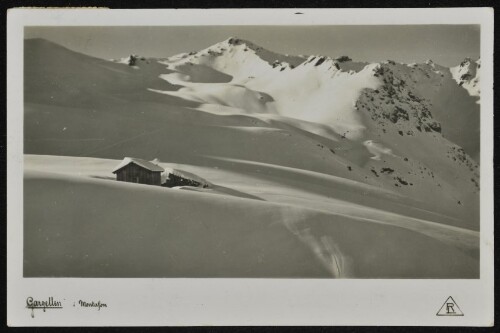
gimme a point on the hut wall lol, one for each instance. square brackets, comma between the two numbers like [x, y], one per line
[133, 173]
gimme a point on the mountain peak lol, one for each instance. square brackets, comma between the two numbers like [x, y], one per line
[465, 62]
[467, 75]
[318, 60]
[238, 57]
[237, 41]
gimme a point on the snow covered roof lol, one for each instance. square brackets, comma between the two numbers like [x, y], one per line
[184, 174]
[142, 163]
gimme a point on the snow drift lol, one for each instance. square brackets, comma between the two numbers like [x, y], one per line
[225, 236]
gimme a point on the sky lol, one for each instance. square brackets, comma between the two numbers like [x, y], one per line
[446, 45]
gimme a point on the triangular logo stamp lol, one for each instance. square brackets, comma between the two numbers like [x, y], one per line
[450, 308]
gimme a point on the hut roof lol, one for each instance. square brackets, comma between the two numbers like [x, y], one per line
[142, 163]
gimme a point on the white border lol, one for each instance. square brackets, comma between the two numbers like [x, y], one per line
[172, 302]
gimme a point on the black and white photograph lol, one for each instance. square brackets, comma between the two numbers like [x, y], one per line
[252, 151]
[256, 151]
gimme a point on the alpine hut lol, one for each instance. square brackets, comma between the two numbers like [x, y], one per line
[136, 170]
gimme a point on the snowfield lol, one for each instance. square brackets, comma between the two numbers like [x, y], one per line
[315, 166]
[246, 231]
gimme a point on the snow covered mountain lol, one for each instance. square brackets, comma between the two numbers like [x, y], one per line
[236, 57]
[329, 147]
[467, 75]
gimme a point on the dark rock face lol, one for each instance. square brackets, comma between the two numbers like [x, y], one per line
[435, 126]
[397, 114]
[320, 61]
[387, 170]
[343, 59]
[132, 60]
[402, 181]
[397, 102]
[233, 41]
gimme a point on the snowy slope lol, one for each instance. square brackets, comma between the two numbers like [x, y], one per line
[226, 235]
[320, 139]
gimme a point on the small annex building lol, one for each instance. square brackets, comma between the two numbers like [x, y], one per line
[136, 170]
